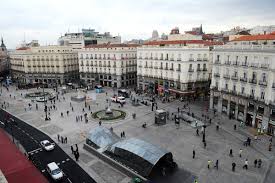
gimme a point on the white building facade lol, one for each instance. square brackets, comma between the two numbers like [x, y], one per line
[243, 84]
[174, 67]
[48, 64]
[113, 65]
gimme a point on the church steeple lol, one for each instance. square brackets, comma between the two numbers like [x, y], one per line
[3, 46]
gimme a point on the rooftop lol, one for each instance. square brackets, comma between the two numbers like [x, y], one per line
[108, 45]
[184, 42]
[270, 36]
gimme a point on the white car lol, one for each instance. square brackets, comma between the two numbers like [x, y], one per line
[47, 145]
[54, 171]
[118, 99]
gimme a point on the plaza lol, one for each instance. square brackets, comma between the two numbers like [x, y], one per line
[179, 140]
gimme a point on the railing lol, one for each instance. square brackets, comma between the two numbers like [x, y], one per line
[178, 70]
[226, 76]
[235, 63]
[243, 80]
[155, 67]
[244, 64]
[217, 62]
[140, 66]
[234, 78]
[227, 63]
[190, 70]
[264, 66]
[253, 81]
[199, 59]
[191, 59]
[205, 59]
[273, 85]
[216, 75]
[171, 69]
[254, 65]
[198, 69]
[204, 69]
[178, 59]
[171, 59]
[263, 83]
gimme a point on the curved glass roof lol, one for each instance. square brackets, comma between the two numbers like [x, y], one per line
[103, 137]
[141, 148]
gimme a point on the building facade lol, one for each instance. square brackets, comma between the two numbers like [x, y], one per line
[47, 64]
[4, 59]
[113, 65]
[87, 37]
[243, 83]
[174, 67]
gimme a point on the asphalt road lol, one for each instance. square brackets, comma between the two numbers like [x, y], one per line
[30, 137]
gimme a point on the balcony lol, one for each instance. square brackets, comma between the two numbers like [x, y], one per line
[254, 65]
[253, 81]
[140, 66]
[217, 62]
[191, 59]
[190, 70]
[139, 57]
[199, 59]
[145, 66]
[235, 63]
[273, 86]
[178, 70]
[166, 68]
[263, 83]
[244, 64]
[204, 69]
[171, 69]
[216, 75]
[178, 59]
[205, 59]
[235, 78]
[264, 66]
[155, 67]
[156, 58]
[171, 59]
[244, 80]
[227, 63]
[226, 76]
[198, 69]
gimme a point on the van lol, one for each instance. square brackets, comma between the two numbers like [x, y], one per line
[54, 171]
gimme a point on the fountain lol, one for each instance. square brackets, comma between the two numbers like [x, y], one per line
[109, 111]
[79, 97]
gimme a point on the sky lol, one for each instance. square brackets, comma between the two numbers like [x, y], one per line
[46, 20]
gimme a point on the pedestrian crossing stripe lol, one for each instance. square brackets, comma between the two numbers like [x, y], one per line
[43, 170]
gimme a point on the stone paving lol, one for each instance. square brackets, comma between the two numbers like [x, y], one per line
[180, 141]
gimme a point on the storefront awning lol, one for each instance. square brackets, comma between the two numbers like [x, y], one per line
[181, 92]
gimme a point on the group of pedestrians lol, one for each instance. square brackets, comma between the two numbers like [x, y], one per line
[63, 140]
[75, 152]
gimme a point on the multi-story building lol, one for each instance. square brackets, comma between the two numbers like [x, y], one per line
[113, 65]
[176, 67]
[4, 64]
[87, 37]
[48, 64]
[243, 81]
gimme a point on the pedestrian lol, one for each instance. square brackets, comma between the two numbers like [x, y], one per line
[99, 123]
[204, 144]
[194, 153]
[255, 163]
[83, 110]
[233, 166]
[259, 163]
[75, 155]
[245, 164]
[36, 106]
[248, 141]
[61, 114]
[54, 107]
[72, 109]
[67, 113]
[235, 127]
[76, 119]
[81, 117]
[197, 132]
[240, 153]
[217, 127]
[76, 146]
[217, 164]
[270, 146]
[58, 137]
[62, 140]
[89, 107]
[72, 148]
[208, 164]
[66, 140]
[123, 134]
[231, 153]
[70, 104]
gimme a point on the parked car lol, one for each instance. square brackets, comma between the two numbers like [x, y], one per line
[54, 171]
[47, 145]
[118, 99]
[123, 92]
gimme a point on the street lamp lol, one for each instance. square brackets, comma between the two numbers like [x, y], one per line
[11, 121]
[203, 136]
[45, 106]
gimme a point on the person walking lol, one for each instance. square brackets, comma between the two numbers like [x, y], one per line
[194, 153]
[233, 166]
[240, 153]
[76, 146]
[217, 164]
[270, 146]
[245, 164]
[235, 127]
[99, 123]
[231, 153]
[72, 149]
[67, 113]
[58, 137]
[259, 163]
[197, 131]
[255, 163]
[204, 144]
[208, 164]
[217, 127]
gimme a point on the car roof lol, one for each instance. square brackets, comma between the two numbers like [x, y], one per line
[44, 141]
[120, 97]
[52, 166]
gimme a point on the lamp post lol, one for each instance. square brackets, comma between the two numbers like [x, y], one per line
[45, 106]
[11, 121]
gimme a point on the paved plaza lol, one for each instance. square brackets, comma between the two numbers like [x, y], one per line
[179, 140]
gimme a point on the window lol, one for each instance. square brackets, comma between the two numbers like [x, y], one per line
[234, 88]
[264, 77]
[254, 76]
[242, 90]
[262, 95]
[252, 92]
[218, 57]
[190, 66]
[226, 86]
